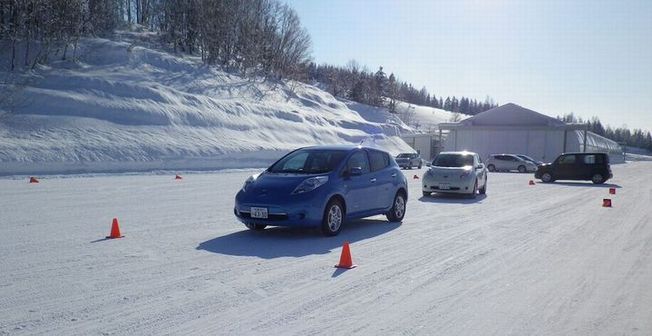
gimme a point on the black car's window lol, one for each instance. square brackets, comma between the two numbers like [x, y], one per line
[453, 160]
[378, 160]
[589, 159]
[404, 155]
[358, 160]
[567, 159]
[309, 161]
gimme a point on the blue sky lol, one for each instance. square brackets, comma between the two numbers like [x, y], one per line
[592, 58]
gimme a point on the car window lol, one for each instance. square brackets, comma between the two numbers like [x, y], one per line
[567, 159]
[453, 160]
[309, 161]
[378, 160]
[358, 160]
[589, 159]
[404, 155]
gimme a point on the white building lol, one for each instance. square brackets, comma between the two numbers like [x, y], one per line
[514, 129]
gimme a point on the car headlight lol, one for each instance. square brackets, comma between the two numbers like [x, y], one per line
[310, 184]
[249, 181]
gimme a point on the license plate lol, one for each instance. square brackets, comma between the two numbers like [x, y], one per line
[258, 212]
[444, 186]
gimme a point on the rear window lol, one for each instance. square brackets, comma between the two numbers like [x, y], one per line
[404, 155]
[453, 160]
[567, 159]
[594, 159]
[379, 160]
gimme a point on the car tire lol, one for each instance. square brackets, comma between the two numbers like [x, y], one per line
[256, 227]
[333, 219]
[547, 178]
[409, 166]
[420, 165]
[483, 190]
[522, 169]
[397, 212]
[474, 193]
[491, 168]
[426, 194]
[597, 179]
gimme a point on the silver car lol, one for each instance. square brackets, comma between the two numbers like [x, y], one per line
[510, 162]
[456, 172]
[409, 160]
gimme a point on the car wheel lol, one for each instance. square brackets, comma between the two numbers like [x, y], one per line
[427, 194]
[333, 218]
[522, 169]
[397, 212]
[597, 179]
[256, 227]
[409, 165]
[547, 178]
[420, 165]
[474, 193]
[491, 168]
[483, 190]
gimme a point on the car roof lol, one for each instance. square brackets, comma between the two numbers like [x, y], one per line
[341, 147]
[459, 152]
[583, 153]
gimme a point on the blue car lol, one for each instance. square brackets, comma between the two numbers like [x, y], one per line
[323, 186]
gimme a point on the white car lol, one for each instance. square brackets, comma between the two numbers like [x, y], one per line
[509, 162]
[456, 172]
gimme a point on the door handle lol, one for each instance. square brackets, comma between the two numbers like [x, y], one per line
[394, 175]
[373, 180]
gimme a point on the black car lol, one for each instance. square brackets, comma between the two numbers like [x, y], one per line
[576, 166]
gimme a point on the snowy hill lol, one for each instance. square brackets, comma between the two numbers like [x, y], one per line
[425, 118]
[126, 107]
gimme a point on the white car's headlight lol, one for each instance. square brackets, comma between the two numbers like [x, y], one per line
[249, 181]
[310, 184]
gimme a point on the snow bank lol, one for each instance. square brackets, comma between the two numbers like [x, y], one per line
[124, 107]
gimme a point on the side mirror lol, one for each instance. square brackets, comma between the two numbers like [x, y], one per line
[480, 166]
[355, 171]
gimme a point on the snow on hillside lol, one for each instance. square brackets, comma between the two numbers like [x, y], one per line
[425, 118]
[126, 107]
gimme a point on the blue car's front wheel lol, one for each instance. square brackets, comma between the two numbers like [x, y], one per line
[333, 218]
[397, 212]
[256, 227]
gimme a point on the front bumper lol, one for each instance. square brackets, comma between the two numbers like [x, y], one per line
[303, 210]
[453, 185]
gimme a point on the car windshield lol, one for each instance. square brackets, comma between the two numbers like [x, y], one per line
[404, 155]
[453, 160]
[309, 161]
[526, 158]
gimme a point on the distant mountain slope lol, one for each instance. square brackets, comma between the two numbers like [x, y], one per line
[124, 107]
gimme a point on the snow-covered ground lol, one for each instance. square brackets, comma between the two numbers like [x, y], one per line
[126, 106]
[524, 260]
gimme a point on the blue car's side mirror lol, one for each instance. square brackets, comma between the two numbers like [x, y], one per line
[356, 171]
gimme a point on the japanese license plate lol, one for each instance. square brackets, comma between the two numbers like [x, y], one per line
[258, 212]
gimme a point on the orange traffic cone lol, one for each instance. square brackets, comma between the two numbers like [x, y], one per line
[345, 258]
[532, 182]
[33, 180]
[415, 177]
[612, 191]
[606, 203]
[115, 230]
[178, 177]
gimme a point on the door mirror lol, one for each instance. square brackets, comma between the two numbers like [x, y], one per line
[353, 171]
[480, 166]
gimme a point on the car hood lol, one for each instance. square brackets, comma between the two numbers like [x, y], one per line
[445, 172]
[277, 184]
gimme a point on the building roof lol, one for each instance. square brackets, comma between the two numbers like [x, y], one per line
[511, 115]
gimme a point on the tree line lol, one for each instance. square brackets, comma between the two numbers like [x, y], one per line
[634, 138]
[254, 37]
[378, 89]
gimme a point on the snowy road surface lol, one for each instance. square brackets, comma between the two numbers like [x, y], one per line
[524, 260]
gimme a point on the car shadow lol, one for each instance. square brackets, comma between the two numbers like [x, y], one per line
[584, 184]
[452, 198]
[276, 242]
